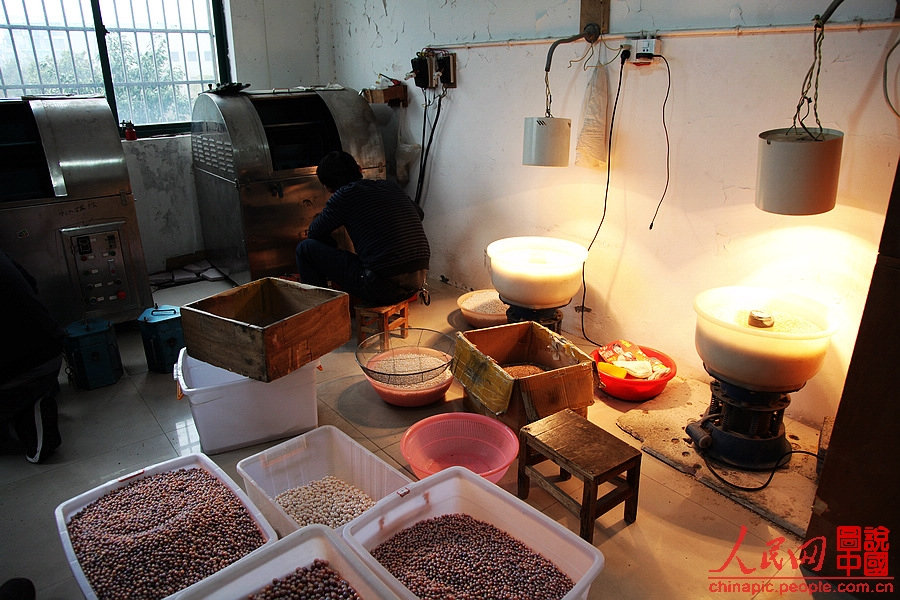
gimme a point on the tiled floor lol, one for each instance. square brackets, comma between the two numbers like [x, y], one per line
[684, 531]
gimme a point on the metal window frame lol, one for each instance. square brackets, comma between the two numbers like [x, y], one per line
[222, 60]
[220, 43]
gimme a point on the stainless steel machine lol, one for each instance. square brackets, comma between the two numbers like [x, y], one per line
[66, 207]
[255, 155]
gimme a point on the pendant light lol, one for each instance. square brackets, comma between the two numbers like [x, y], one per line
[798, 167]
[546, 142]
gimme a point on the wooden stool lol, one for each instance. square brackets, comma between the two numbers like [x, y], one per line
[580, 448]
[381, 319]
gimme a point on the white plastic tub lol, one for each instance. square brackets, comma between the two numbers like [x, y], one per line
[69, 508]
[456, 490]
[232, 411]
[282, 558]
[779, 358]
[535, 272]
[309, 457]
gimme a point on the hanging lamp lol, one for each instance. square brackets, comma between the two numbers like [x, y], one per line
[546, 142]
[798, 167]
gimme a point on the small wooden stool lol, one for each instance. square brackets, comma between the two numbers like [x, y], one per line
[381, 319]
[580, 448]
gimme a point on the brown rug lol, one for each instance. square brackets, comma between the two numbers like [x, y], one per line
[659, 424]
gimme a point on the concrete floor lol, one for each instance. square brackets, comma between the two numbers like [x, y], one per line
[683, 536]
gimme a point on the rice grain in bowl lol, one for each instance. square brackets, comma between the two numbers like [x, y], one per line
[408, 366]
[483, 308]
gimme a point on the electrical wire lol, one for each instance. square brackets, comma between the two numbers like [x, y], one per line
[666, 130]
[778, 465]
[619, 49]
[591, 34]
[588, 54]
[426, 147]
[612, 120]
[884, 77]
[548, 97]
[811, 81]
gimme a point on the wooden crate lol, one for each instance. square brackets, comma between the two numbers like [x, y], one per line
[396, 95]
[568, 381]
[267, 328]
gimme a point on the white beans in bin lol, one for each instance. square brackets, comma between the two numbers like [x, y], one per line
[322, 476]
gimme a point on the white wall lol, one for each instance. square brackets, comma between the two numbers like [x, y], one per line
[162, 181]
[280, 43]
[725, 89]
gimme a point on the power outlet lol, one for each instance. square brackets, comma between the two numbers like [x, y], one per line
[644, 50]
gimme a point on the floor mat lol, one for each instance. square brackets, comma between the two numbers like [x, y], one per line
[659, 424]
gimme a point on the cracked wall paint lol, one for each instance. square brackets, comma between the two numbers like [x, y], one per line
[725, 89]
[164, 198]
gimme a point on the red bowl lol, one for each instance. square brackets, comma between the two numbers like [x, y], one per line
[413, 396]
[631, 388]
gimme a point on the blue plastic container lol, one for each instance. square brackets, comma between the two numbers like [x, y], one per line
[92, 353]
[162, 335]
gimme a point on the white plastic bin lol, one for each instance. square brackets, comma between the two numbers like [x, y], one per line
[310, 457]
[69, 508]
[232, 411]
[456, 490]
[282, 558]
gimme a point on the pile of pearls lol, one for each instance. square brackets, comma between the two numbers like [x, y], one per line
[328, 501]
[458, 556]
[318, 580]
[160, 534]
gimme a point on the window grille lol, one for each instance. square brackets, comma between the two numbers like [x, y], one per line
[156, 56]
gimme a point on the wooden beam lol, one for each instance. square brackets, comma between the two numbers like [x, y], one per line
[596, 11]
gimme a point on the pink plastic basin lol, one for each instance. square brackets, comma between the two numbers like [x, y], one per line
[481, 444]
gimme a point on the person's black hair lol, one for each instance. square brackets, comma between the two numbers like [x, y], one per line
[337, 169]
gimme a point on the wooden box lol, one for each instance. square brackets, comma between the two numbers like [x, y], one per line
[396, 95]
[267, 328]
[567, 382]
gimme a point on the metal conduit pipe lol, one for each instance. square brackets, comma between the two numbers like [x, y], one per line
[685, 33]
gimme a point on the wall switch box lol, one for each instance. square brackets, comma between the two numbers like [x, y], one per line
[446, 65]
[645, 49]
[431, 68]
[422, 71]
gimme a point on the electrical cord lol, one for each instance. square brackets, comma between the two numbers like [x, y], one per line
[618, 49]
[811, 81]
[426, 148]
[588, 54]
[778, 465]
[591, 34]
[666, 130]
[625, 53]
[884, 77]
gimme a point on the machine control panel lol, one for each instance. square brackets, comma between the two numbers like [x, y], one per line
[99, 265]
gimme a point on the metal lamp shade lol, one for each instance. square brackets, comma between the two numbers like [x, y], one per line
[797, 175]
[546, 142]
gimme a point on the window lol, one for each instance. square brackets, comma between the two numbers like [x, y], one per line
[156, 56]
